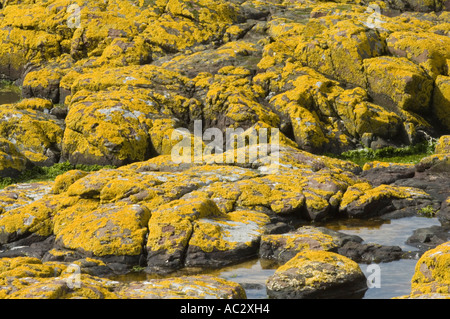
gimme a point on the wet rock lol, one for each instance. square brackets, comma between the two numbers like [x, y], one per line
[370, 253]
[317, 274]
[429, 238]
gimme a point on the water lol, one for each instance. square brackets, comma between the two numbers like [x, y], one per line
[394, 277]
[8, 97]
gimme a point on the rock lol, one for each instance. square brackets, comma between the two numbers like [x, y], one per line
[283, 247]
[32, 246]
[12, 162]
[378, 173]
[36, 135]
[338, 47]
[428, 238]
[363, 201]
[426, 49]
[29, 278]
[116, 133]
[317, 274]
[45, 82]
[370, 253]
[431, 272]
[398, 82]
[443, 145]
[441, 100]
[184, 287]
[444, 213]
[116, 230]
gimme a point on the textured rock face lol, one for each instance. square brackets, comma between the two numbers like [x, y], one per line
[431, 275]
[29, 278]
[111, 82]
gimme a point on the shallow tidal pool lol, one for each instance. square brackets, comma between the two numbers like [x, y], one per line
[393, 280]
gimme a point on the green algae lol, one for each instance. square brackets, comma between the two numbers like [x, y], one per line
[37, 173]
[411, 154]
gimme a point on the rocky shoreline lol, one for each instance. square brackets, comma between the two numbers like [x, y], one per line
[108, 83]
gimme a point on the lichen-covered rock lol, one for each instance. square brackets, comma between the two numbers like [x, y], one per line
[12, 162]
[362, 200]
[431, 272]
[443, 145]
[218, 242]
[283, 247]
[317, 274]
[378, 173]
[36, 135]
[427, 49]
[102, 230]
[441, 100]
[338, 47]
[18, 195]
[185, 287]
[399, 82]
[45, 82]
[30, 278]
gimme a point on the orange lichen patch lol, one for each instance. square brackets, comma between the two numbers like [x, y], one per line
[226, 233]
[443, 145]
[109, 229]
[427, 49]
[401, 81]
[11, 160]
[184, 287]
[315, 273]
[32, 131]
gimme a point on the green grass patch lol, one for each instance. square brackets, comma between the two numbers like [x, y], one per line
[427, 211]
[39, 174]
[9, 87]
[409, 154]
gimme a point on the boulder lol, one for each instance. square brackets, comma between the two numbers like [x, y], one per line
[426, 49]
[35, 134]
[431, 272]
[12, 162]
[316, 275]
[399, 83]
[364, 201]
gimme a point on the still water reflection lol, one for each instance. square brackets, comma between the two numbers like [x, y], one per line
[395, 277]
